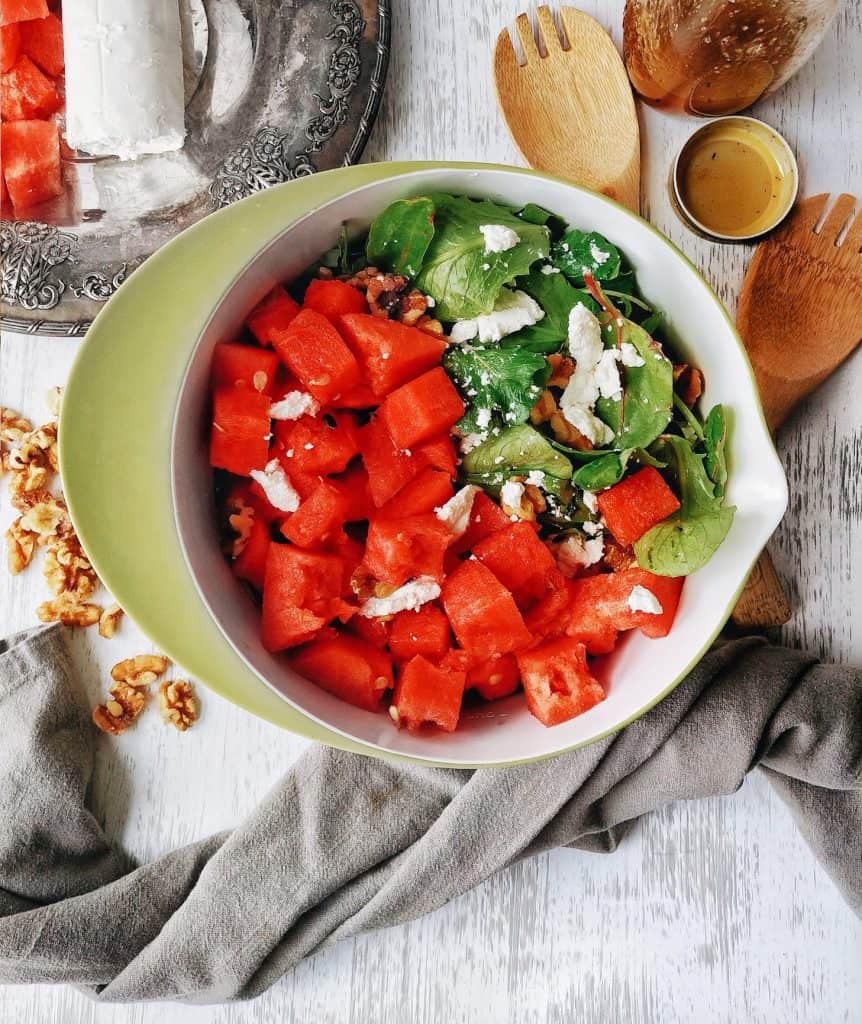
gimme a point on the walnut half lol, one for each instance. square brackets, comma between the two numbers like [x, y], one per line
[178, 703]
[142, 670]
[120, 710]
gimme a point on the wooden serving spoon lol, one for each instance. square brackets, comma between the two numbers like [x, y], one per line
[567, 100]
[800, 316]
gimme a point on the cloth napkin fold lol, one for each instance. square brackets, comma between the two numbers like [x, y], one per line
[346, 844]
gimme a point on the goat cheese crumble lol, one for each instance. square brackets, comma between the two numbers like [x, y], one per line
[629, 355]
[575, 553]
[499, 238]
[512, 311]
[643, 600]
[455, 513]
[293, 405]
[408, 597]
[511, 493]
[587, 381]
[278, 489]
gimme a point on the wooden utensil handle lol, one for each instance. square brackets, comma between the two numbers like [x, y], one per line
[762, 603]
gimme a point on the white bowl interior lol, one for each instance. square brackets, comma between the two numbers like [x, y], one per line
[641, 670]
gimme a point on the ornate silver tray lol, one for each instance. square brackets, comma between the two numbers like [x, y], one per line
[274, 89]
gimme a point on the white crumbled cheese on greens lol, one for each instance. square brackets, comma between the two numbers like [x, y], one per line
[499, 238]
[483, 418]
[629, 355]
[430, 301]
[511, 493]
[408, 597]
[592, 529]
[293, 405]
[548, 268]
[470, 441]
[600, 257]
[512, 311]
[608, 375]
[455, 513]
[591, 502]
[276, 486]
[643, 600]
[582, 389]
[574, 553]
[536, 477]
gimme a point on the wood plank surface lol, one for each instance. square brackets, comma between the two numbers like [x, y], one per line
[712, 911]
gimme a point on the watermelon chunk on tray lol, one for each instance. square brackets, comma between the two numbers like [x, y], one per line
[42, 41]
[31, 162]
[22, 10]
[26, 93]
[10, 45]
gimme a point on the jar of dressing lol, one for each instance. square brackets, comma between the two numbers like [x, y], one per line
[715, 57]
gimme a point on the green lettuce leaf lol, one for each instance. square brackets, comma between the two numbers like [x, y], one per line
[687, 540]
[502, 382]
[399, 237]
[515, 452]
[577, 251]
[463, 279]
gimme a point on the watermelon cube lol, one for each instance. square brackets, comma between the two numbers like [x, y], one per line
[636, 504]
[391, 353]
[319, 517]
[557, 682]
[605, 601]
[42, 41]
[375, 631]
[482, 612]
[424, 631]
[486, 517]
[318, 444]
[22, 10]
[348, 666]
[389, 469]
[521, 562]
[428, 695]
[398, 549]
[301, 594]
[275, 313]
[421, 409]
[316, 354]
[26, 94]
[31, 162]
[495, 678]
[332, 298]
[244, 366]
[425, 492]
[250, 563]
[240, 430]
[10, 45]
[440, 453]
[360, 397]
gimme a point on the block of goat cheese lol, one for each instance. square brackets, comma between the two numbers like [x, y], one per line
[124, 77]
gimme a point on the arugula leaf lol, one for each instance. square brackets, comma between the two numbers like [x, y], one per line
[502, 382]
[515, 452]
[535, 214]
[652, 323]
[580, 250]
[399, 237]
[645, 409]
[714, 439]
[603, 472]
[687, 540]
[557, 298]
[464, 279]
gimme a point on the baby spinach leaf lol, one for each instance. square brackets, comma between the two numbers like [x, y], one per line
[715, 438]
[687, 540]
[577, 251]
[578, 454]
[399, 237]
[515, 452]
[504, 383]
[535, 214]
[464, 279]
[645, 409]
[557, 298]
[652, 323]
[603, 472]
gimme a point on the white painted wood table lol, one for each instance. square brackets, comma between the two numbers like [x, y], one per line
[711, 911]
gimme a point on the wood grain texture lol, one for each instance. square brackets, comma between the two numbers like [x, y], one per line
[712, 910]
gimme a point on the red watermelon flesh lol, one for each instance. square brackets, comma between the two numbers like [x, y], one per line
[42, 41]
[25, 93]
[10, 44]
[31, 162]
[22, 10]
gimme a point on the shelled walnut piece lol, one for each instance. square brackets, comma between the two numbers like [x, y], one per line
[121, 709]
[178, 703]
[390, 297]
[13, 427]
[129, 693]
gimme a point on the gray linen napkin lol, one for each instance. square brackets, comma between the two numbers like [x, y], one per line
[346, 844]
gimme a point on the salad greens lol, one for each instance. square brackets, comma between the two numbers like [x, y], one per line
[468, 255]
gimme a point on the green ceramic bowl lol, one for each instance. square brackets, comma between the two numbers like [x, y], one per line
[137, 481]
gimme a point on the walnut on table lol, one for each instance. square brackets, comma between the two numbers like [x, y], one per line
[69, 610]
[109, 621]
[21, 544]
[13, 428]
[142, 670]
[121, 709]
[178, 703]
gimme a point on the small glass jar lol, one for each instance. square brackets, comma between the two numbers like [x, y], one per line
[715, 57]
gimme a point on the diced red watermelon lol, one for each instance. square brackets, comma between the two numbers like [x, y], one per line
[42, 41]
[316, 353]
[602, 601]
[557, 682]
[421, 409]
[360, 397]
[398, 549]
[552, 616]
[482, 612]
[521, 562]
[31, 162]
[319, 444]
[495, 678]
[250, 564]
[27, 94]
[389, 469]
[636, 504]
[440, 453]
[22, 10]
[239, 439]
[353, 484]
[302, 593]
[424, 631]
[244, 366]
[391, 353]
[333, 298]
[347, 666]
[10, 45]
[486, 517]
[375, 631]
[275, 313]
[428, 695]
[425, 492]
[319, 518]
